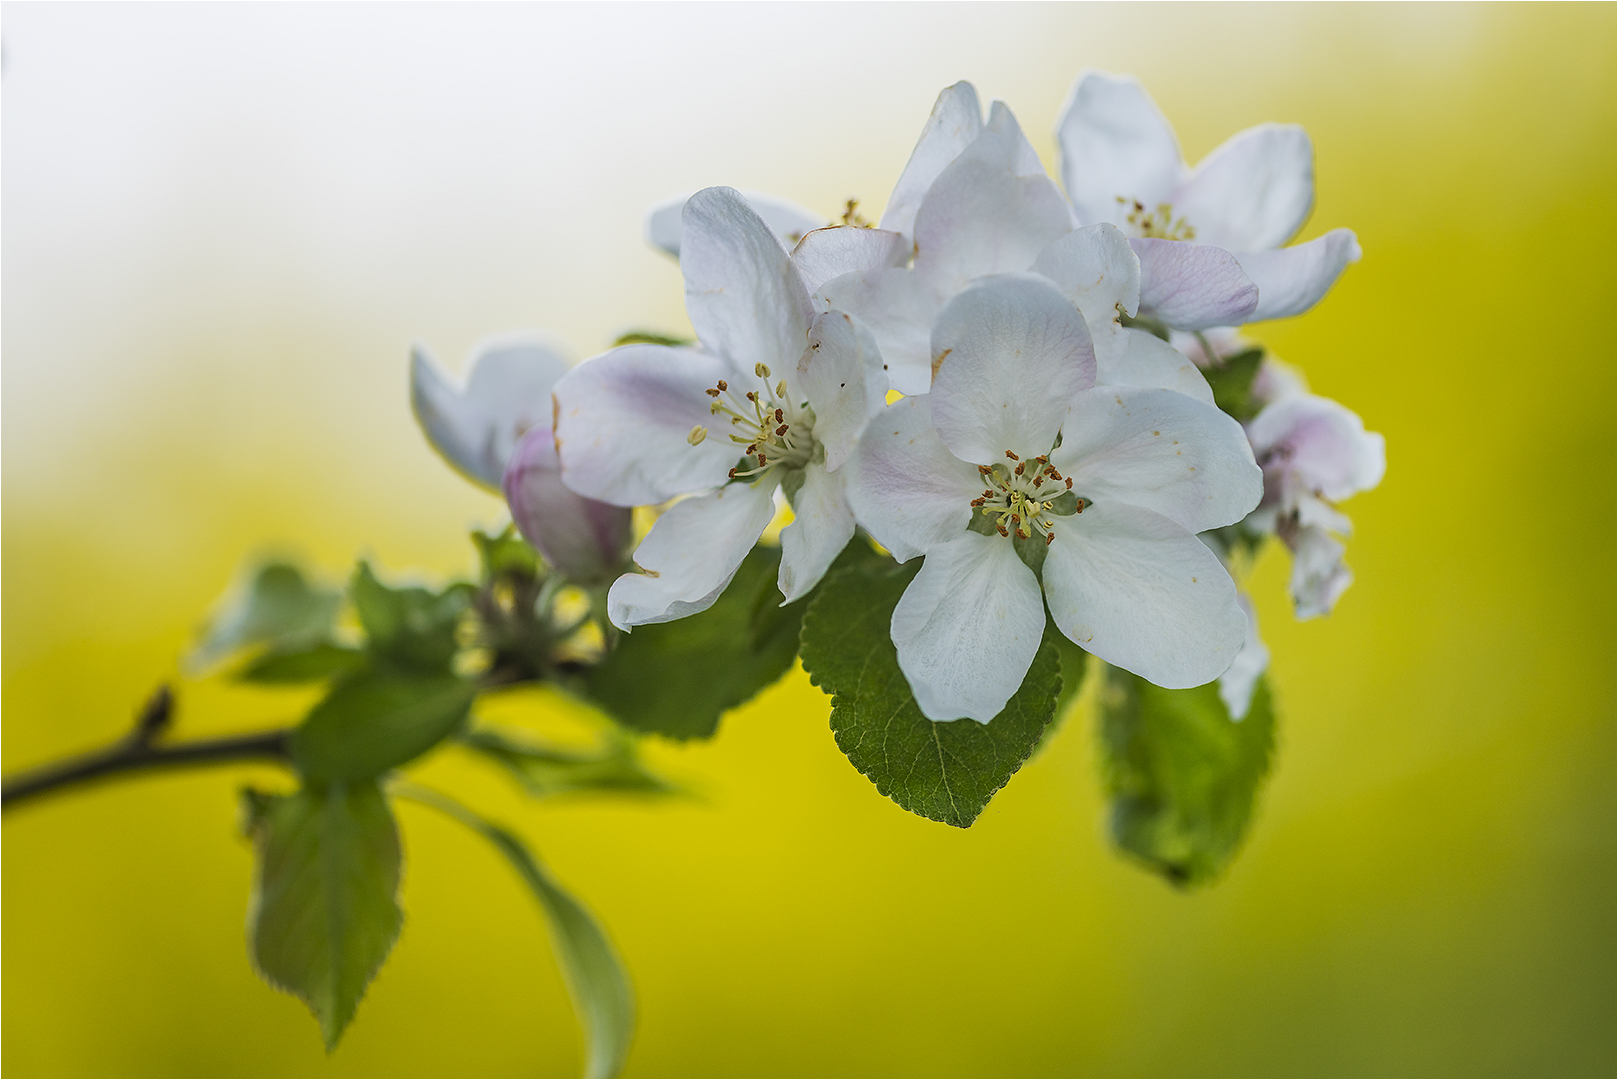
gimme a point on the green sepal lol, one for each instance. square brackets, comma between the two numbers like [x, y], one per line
[616, 769]
[678, 678]
[324, 911]
[1183, 777]
[313, 664]
[943, 771]
[412, 627]
[651, 337]
[1232, 383]
[277, 608]
[505, 555]
[377, 719]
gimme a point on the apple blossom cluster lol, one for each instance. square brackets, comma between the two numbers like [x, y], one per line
[1038, 391]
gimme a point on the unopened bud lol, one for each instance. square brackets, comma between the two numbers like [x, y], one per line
[698, 433]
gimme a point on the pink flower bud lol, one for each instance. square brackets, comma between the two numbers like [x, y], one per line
[586, 540]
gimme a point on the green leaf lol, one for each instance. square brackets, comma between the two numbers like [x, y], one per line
[551, 772]
[313, 664]
[1182, 775]
[595, 976]
[1232, 383]
[943, 771]
[505, 555]
[325, 910]
[411, 627]
[277, 607]
[375, 720]
[650, 337]
[678, 678]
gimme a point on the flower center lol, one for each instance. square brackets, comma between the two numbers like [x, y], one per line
[1022, 497]
[1158, 223]
[771, 428]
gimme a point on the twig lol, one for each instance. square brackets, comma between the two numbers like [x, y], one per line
[138, 750]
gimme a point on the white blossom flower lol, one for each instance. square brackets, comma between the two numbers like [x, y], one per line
[1314, 453]
[1114, 482]
[775, 398]
[787, 220]
[974, 200]
[1121, 163]
[508, 385]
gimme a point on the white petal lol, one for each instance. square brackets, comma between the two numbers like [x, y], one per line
[841, 376]
[1115, 144]
[1134, 357]
[586, 540]
[1292, 280]
[788, 221]
[1237, 683]
[1097, 270]
[822, 525]
[623, 420]
[1010, 355]
[898, 308]
[1320, 442]
[905, 486]
[508, 391]
[1162, 451]
[1319, 575]
[745, 299]
[991, 211]
[691, 554]
[1193, 286]
[967, 628]
[956, 120]
[843, 249]
[1144, 594]
[1254, 191]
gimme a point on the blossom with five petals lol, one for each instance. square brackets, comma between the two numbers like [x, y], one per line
[1121, 163]
[775, 398]
[1015, 447]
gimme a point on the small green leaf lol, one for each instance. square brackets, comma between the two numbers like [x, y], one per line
[277, 607]
[375, 720]
[595, 976]
[1182, 775]
[678, 678]
[313, 664]
[651, 337]
[1232, 383]
[411, 627]
[943, 771]
[551, 772]
[505, 555]
[325, 909]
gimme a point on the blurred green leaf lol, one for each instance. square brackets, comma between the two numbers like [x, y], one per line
[1232, 383]
[277, 607]
[313, 664]
[678, 678]
[411, 627]
[374, 720]
[505, 555]
[595, 976]
[1182, 775]
[552, 772]
[651, 337]
[324, 911]
[943, 771]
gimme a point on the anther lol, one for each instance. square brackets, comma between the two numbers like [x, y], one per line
[1012, 456]
[782, 430]
[761, 371]
[779, 416]
[985, 470]
[722, 385]
[698, 433]
[1003, 531]
[781, 389]
[1070, 483]
[733, 474]
[1021, 535]
[751, 396]
[711, 392]
[1018, 469]
[1048, 538]
[977, 502]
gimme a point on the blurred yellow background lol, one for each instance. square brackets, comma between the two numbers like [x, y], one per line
[224, 225]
